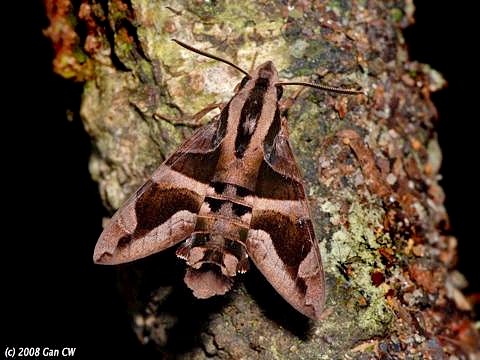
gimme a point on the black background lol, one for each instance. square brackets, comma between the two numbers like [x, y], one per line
[53, 295]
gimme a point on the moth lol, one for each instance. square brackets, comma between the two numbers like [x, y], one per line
[231, 192]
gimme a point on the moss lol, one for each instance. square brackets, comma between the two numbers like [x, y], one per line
[80, 55]
[319, 54]
[117, 11]
[339, 7]
[434, 155]
[298, 48]
[396, 14]
[275, 353]
[123, 46]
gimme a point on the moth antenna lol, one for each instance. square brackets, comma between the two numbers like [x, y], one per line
[191, 48]
[321, 87]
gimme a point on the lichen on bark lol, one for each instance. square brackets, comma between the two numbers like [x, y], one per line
[370, 164]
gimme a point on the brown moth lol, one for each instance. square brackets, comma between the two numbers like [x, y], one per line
[232, 191]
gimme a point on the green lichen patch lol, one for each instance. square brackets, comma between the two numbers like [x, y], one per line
[339, 7]
[319, 54]
[356, 245]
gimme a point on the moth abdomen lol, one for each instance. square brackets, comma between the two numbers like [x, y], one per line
[217, 244]
[213, 261]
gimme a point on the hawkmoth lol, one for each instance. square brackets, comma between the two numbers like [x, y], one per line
[232, 191]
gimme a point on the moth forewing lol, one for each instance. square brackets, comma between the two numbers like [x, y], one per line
[162, 212]
[281, 241]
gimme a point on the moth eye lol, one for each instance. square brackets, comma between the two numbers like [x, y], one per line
[279, 92]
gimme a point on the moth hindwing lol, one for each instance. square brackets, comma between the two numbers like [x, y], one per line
[233, 190]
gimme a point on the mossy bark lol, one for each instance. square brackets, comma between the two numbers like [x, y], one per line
[370, 164]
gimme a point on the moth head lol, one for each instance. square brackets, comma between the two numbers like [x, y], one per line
[267, 71]
[264, 76]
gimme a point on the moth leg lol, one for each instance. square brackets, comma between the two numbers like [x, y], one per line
[286, 103]
[252, 67]
[193, 121]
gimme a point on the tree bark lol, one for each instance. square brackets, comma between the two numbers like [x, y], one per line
[370, 164]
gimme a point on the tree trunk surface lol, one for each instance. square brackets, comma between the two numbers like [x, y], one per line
[370, 166]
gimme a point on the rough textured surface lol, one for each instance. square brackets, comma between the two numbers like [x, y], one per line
[370, 164]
